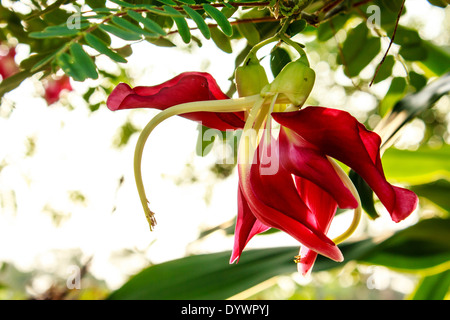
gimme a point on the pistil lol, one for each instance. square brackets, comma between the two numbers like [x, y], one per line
[358, 211]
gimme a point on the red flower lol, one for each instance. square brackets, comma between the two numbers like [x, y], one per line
[290, 182]
[335, 133]
[54, 87]
[184, 88]
[311, 187]
[8, 66]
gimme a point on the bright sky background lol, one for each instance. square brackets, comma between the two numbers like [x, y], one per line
[74, 152]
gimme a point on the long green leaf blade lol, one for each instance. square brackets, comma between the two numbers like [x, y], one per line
[434, 287]
[208, 276]
[424, 247]
[419, 166]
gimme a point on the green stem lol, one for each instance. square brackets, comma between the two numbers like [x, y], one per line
[252, 54]
[297, 47]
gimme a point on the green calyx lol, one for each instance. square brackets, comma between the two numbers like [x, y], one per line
[250, 79]
[295, 82]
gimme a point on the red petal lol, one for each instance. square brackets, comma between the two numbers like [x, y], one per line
[339, 135]
[274, 201]
[186, 87]
[246, 227]
[303, 159]
[323, 207]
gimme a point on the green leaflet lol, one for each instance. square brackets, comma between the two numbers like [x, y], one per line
[395, 93]
[83, 61]
[199, 21]
[129, 26]
[123, 3]
[385, 70]
[220, 18]
[326, 30]
[437, 60]
[183, 28]
[57, 31]
[148, 23]
[119, 32]
[191, 2]
[101, 47]
[168, 2]
[250, 32]
[221, 40]
[358, 50]
[68, 65]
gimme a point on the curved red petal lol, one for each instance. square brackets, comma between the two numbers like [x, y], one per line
[319, 202]
[339, 135]
[247, 226]
[304, 160]
[273, 199]
[307, 259]
[184, 88]
[324, 208]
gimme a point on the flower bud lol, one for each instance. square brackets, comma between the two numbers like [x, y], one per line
[295, 82]
[250, 79]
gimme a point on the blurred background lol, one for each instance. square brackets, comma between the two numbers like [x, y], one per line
[68, 201]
